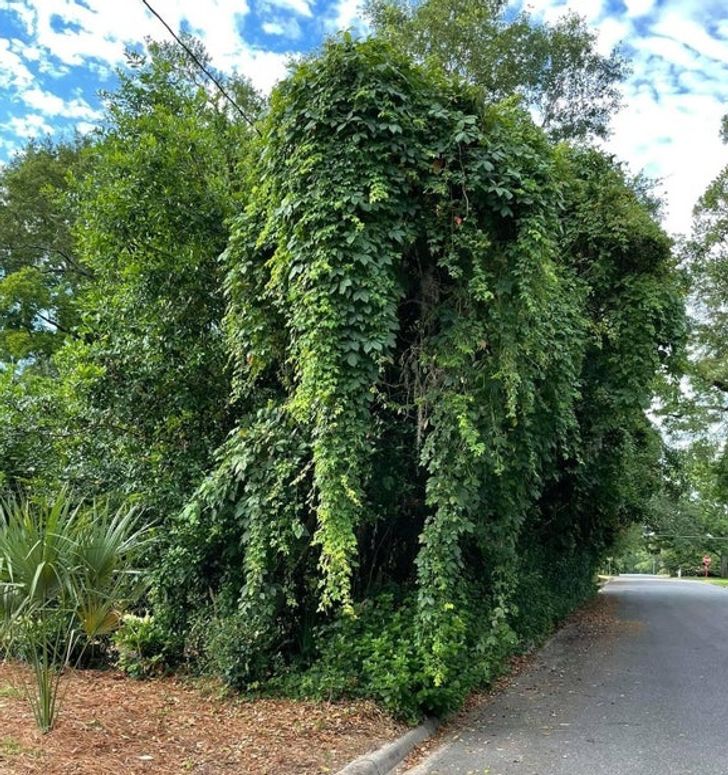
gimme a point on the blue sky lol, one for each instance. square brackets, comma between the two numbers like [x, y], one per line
[56, 54]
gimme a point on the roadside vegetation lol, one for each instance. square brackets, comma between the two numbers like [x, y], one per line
[689, 519]
[370, 360]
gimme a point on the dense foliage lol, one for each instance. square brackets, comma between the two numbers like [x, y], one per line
[41, 276]
[445, 333]
[40, 271]
[137, 399]
[707, 259]
[378, 365]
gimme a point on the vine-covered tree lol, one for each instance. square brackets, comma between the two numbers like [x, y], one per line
[445, 331]
[421, 335]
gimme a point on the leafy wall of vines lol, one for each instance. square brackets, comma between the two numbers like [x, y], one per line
[445, 331]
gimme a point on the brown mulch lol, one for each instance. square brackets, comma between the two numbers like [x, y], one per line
[111, 724]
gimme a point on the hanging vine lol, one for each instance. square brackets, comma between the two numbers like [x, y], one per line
[421, 317]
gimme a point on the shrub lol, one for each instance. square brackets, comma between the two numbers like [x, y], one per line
[376, 654]
[243, 650]
[139, 645]
[66, 574]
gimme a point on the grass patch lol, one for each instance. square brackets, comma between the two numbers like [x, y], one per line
[709, 580]
[9, 746]
[9, 692]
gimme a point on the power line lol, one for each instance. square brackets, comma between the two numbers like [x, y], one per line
[202, 67]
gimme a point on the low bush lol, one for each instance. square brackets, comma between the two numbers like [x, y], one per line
[375, 653]
[139, 645]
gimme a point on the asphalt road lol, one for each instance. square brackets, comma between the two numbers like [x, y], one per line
[648, 695]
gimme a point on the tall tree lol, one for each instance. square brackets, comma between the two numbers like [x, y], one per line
[149, 371]
[556, 68]
[708, 264]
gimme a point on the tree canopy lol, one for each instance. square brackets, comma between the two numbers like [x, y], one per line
[556, 68]
[40, 271]
[141, 396]
[708, 261]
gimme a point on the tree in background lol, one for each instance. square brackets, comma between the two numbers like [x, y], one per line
[556, 68]
[689, 509]
[40, 271]
[149, 368]
[135, 393]
[708, 264]
[41, 277]
[687, 516]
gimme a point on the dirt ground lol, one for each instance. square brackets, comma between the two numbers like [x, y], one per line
[112, 724]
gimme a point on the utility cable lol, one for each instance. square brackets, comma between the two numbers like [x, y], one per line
[201, 65]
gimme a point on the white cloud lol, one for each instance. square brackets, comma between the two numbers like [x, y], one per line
[302, 7]
[29, 53]
[678, 145]
[13, 71]
[286, 28]
[68, 34]
[669, 50]
[551, 10]
[670, 132]
[53, 68]
[29, 126]
[703, 82]
[74, 33]
[84, 127]
[612, 32]
[264, 68]
[676, 95]
[346, 14]
[272, 28]
[674, 25]
[639, 7]
[51, 105]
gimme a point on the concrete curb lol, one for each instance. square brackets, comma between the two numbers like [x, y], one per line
[386, 758]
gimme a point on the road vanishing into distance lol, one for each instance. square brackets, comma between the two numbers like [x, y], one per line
[643, 692]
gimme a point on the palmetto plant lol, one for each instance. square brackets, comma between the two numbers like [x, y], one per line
[66, 575]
